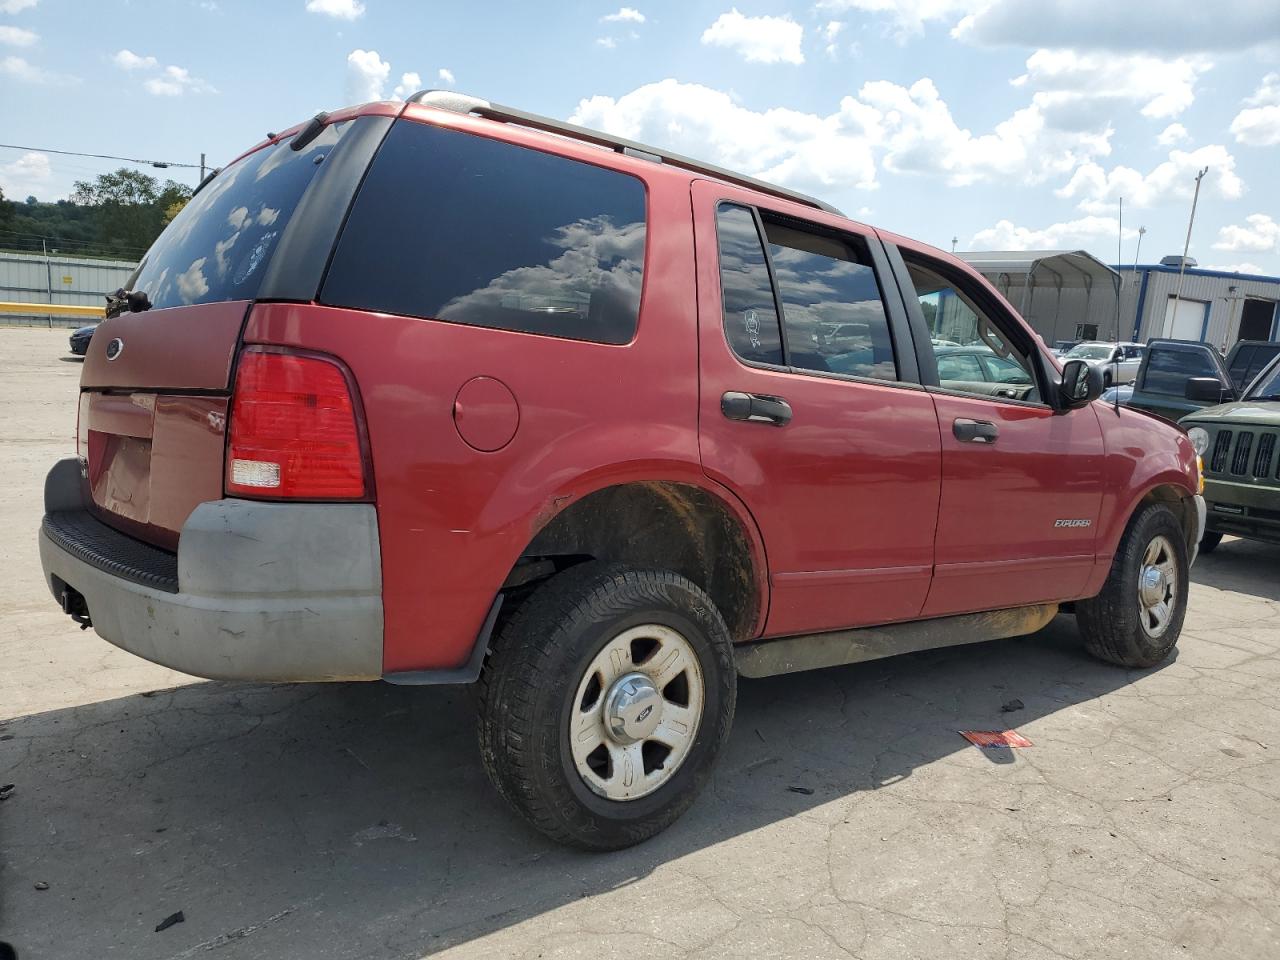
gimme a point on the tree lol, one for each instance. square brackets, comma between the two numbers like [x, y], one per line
[6, 212]
[129, 206]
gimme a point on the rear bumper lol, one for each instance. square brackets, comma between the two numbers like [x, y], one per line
[257, 591]
[1243, 510]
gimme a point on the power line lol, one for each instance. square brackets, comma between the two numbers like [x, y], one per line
[160, 164]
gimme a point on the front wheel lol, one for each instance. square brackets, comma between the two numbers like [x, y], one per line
[1136, 619]
[1209, 542]
[604, 703]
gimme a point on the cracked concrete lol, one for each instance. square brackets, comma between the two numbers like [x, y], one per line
[353, 820]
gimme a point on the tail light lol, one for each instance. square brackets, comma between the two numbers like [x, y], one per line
[295, 429]
[82, 427]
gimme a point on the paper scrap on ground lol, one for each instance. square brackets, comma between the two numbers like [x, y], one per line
[991, 739]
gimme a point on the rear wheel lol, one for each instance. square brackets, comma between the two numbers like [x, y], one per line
[1209, 542]
[604, 703]
[1136, 619]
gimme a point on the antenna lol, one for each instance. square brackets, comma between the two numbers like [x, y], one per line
[1119, 286]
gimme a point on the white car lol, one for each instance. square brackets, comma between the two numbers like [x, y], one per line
[1119, 362]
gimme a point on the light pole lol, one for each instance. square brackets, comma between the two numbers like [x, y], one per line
[1137, 320]
[1186, 247]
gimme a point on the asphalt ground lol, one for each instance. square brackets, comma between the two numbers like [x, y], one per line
[847, 818]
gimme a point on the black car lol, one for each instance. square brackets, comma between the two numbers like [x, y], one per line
[80, 339]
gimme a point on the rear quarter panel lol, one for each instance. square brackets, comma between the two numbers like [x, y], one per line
[453, 520]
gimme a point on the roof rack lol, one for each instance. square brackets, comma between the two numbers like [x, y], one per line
[462, 103]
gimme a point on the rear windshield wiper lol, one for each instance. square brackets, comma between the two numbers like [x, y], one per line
[313, 129]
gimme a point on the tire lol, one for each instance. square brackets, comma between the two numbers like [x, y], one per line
[1209, 542]
[1106, 381]
[572, 645]
[1122, 624]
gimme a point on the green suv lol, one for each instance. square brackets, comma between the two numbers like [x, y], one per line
[1240, 444]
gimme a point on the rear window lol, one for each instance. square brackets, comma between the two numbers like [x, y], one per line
[451, 226]
[1168, 369]
[217, 248]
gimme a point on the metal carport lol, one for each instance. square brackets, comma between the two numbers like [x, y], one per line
[1019, 274]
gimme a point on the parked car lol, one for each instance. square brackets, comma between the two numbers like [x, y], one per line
[1238, 442]
[1118, 362]
[1120, 393]
[1163, 384]
[80, 339]
[1062, 347]
[443, 392]
[982, 371]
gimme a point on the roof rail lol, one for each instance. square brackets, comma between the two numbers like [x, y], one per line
[462, 103]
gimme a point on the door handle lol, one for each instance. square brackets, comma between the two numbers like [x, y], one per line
[975, 431]
[755, 408]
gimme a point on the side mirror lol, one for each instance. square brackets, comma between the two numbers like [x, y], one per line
[1208, 390]
[1081, 384]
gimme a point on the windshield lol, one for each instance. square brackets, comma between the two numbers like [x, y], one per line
[218, 245]
[1091, 351]
[1268, 385]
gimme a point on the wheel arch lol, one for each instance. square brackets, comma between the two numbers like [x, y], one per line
[1177, 499]
[665, 524]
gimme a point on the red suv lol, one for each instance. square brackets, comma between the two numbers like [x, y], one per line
[444, 392]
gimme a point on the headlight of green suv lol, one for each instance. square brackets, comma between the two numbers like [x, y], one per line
[1199, 438]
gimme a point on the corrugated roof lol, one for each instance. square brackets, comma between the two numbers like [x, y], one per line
[1076, 268]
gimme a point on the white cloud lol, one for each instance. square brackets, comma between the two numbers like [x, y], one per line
[1236, 268]
[1097, 190]
[174, 81]
[907, 17]
[1006, 235]
[26, 72]
[16, 6]
[128, 60]
[445, 76]
[1164, 87]
[338, 9]
[757, 39]
[367, 74]
[908, 130]
[18, 37]
[607, 42]
[1258, 125]
[830, 33]
[624, 15]
[1178, 26]
[778, 144]
[26, 175]
[1173, 133]
[410, 83]
[1260, 234]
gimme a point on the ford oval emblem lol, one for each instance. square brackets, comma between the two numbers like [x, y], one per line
[115, 348]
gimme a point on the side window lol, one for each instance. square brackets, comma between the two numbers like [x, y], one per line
[750, 315]
[832, 311]
[456, 227]
[1168, 370]
[956, 321]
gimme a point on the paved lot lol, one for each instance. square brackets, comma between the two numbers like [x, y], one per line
[355, 821]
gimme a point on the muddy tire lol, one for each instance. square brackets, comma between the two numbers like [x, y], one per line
[604, 703]
[1136, 619]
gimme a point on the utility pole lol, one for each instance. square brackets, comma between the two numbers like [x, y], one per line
[1137, 320]
[1186, 247]
[954, 241]
[202, 168]
[48, 279]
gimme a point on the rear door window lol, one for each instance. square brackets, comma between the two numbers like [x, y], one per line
[451, 226]
[218, 246]
[750, 311]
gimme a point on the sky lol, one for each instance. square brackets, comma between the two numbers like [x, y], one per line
[996, 124]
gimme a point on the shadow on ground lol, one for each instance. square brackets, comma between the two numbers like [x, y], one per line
[1242, 566]
[355, 820]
